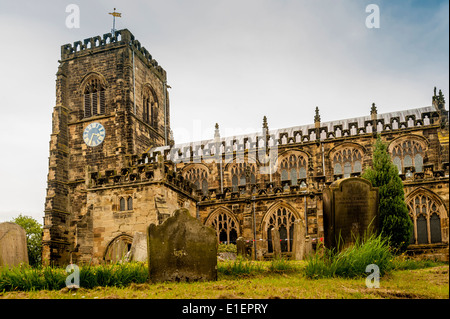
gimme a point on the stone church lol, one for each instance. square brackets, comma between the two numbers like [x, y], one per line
[113, 168]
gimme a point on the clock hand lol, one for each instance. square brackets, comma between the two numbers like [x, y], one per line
[91, 138]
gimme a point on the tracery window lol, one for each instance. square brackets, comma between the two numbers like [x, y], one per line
[225, 226]
[424, 212]
[293, 168]
[199, 177]
[407, 154]
[281, 219]
[94, 98]
[150, 107]
[240, 173]
[346, 161]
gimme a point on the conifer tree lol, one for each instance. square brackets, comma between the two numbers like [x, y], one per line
[395, 222]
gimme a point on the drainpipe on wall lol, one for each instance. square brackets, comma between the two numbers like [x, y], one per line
[254, 227]
[306, 218]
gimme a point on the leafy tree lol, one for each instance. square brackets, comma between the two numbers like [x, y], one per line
[34, 237]
[395, 222]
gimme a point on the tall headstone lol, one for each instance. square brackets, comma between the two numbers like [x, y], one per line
[276, 242]
[182, 249]
[350, 210]
[139, 249]
[13, 245]
[298, 245]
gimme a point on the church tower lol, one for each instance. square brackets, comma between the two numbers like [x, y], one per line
[111, 101]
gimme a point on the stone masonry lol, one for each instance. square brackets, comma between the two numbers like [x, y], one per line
[98, 197]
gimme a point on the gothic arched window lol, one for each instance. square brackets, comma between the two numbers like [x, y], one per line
[349, 160]
[424, 212]
[122, 204]
[94, 97]
[408, 153]
[199, 177]
[293, 168]
[240, 173]
[226, 227]
[282, 219]
[150, 106]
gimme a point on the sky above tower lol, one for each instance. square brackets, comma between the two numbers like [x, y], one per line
[228, 62]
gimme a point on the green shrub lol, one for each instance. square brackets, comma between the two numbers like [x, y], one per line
[352, 261]
[33, 232]
[395, 222]
[26, 278]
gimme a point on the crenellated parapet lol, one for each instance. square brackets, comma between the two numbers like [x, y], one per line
[109, 41]
[140, 170]
[342, 130]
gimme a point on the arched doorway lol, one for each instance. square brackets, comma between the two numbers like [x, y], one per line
[118, 248]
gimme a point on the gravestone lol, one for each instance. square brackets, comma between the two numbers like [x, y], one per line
[138, 251]
[276, 242]
[298, 245]
[350, 210]
[244, 248]
[182, 249]
[308, 247]
[13, 245]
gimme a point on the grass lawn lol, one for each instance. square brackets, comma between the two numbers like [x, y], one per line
[423, 283]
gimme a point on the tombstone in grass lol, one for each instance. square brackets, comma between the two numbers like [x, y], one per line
[299, 242]
[138, 251]
[244, 248]
[182, 249]
[13, 245]
[308, 247]
[350, 211]
[276, 242]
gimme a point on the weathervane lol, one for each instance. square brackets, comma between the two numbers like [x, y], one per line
[114, 14]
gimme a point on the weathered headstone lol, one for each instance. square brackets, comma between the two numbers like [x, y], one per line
[244, 248]
[138, 251]
[298, 245]
[308, 247]
[13, 245]
[350, 210]
[182, 249]
[276, 242]
[240, 246]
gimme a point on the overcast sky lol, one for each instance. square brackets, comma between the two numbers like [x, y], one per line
[228, 61]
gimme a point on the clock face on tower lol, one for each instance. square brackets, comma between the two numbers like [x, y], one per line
[94, 134]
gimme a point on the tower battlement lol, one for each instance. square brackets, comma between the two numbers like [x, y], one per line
[109, 41]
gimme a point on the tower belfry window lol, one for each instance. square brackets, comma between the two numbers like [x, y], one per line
[94, 98]
[150, 107]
